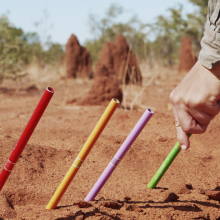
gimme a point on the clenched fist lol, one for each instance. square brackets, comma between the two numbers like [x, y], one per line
[195, 101]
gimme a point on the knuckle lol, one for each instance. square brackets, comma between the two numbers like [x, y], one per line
[214, 112]
[199, 103]
[171, 96]
[204, 128]
[186, 129]
[200, 131]
[179, 137]
[195, 102]
[174, 98]
[190, 103]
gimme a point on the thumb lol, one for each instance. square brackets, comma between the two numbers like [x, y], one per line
[181, 135]
[182, 138]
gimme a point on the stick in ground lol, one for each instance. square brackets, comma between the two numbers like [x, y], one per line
[83, 154]
[119, 155]
[38, 112]
[165, 165]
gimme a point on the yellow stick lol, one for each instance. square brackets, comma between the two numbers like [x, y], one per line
[83, 154]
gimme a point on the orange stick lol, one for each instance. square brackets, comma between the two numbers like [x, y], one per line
[83, 154]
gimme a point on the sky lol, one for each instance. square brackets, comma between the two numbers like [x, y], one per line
[66, 17]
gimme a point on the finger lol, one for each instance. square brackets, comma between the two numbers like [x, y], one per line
[209, 109]
[181, 135]
[189, 124]
[200, 116]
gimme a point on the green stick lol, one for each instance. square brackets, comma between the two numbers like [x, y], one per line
[165, 165]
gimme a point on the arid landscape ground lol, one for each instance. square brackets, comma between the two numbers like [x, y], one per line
[62, 132]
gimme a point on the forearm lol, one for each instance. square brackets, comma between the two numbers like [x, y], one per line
[210, 54]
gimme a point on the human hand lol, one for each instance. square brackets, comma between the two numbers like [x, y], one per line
[195, 101]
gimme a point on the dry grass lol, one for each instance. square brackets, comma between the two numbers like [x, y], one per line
[151, 76]
[38, 75]
[48, 72]
[156, 78]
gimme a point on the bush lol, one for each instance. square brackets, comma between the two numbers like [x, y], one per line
[17, 49]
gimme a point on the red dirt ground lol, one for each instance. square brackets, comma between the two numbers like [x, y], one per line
[60, 135]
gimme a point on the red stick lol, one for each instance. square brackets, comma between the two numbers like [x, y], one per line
[19, 147]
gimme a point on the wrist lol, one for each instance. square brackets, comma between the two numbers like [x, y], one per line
[214, 70]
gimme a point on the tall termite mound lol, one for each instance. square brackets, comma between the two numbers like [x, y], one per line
[78, 59]
[117, 64]
[120, 61]
[187, 57]
[104, 88]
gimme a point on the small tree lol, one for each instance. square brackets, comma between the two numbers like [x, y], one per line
[18, 49]
[107, 28]
[168, 31]
[11, 49]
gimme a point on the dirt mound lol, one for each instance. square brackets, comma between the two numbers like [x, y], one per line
[8, 91]
[102, 91]
[213, 194]
[105, 86]
[111, 204]
[6, 208]
[117, 64]
[106, 57]
[120, 61]
[187, 57]
[104, 70]
[83, 204]
[135, 72]
[78, 60]
[180, 189]
[120, 55]
[170, 196]
[20, 91]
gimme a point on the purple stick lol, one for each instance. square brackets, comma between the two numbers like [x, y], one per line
[119, 155]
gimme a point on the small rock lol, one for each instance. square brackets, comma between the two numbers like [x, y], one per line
[96, 211]
[162, 139]
[126, 198]
[138, 209]
[134, 208]
[130, 207]
[180, 189]
[83, 204]
[189, 186]
[98, 214]
[199, 191]
[151, 201]
[71, 101]
[213, 194]
[202, 191]
[32, 88]
[79, 217]
[171, 197]
[206, 159]
[111, 204]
